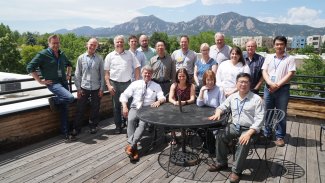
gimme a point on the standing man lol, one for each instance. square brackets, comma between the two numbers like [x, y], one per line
[164, 69]
[220, 51]
[144, 93]
[118, 74]
[247, 111]
[255, 63]
[133, 43]
[145, 48]
[90, 83]
[278, 69]
[184, 57]
[56, 70]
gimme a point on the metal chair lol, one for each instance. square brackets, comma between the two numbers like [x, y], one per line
[322, 128]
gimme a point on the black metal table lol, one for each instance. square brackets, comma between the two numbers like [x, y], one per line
[174, 117]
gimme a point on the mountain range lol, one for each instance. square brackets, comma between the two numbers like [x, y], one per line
[231, 24]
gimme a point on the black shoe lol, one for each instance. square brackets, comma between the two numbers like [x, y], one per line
[218, 167]
[53, 106]
[93, 130]
[74, 132]
[118, 130]
[123, 125]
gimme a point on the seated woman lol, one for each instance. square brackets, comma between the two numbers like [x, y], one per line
[210, 94]
[204, 64]
[181, 90]
[228, 71]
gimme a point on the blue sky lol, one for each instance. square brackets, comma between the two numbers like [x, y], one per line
[50, 15]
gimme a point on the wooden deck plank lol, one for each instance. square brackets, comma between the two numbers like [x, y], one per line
[320, 155]
[312, 161]
[301, 154]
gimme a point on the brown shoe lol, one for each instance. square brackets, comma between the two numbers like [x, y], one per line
[135, 155]
[234, 177]
[279, 142]
[218, 167]
[129, 150]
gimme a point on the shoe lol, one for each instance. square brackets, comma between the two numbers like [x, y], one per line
[72, 138]
[93, 130]
[218, 167]
[129, 150]
[279, 142]
[123, 125]
[118, 130]
[234, 177]
[53, 106]
[74, 132]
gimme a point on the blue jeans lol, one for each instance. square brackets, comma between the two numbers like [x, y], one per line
[278, 100]
[62, 98]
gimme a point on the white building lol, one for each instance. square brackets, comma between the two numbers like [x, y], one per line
[261, 41]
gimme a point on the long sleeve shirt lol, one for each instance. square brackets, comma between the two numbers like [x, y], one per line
[89, 72]
[247, 111]
[49, 65]
[142, 93]
[211, 98]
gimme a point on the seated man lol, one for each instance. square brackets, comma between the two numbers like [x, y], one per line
[144, 93]
[247, 116]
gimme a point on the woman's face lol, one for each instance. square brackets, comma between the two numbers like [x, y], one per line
[205, 50]
[234, 55]
[181, 77]
[209, 82]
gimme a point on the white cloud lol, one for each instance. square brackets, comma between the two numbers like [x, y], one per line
[259, 0]
[211, 2]
[300, 16]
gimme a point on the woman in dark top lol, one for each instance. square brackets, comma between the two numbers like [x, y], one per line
[182, 89]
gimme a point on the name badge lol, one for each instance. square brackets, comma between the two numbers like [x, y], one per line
[59, 73]
[273, 78]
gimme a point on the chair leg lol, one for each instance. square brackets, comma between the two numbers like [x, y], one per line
[320, 138]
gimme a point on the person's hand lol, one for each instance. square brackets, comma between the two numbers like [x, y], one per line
[175, 102]
[125, 112]
[68, 77]
[205, 88]
[80, 93]
[111, 90]
[214, 117]
[273, 87]
[100, 93]
[227, 94]
[45, 82]
[155, 104]
[244, 138]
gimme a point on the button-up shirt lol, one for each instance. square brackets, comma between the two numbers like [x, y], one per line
[255, 66]
[142, 93]
[184, 60]
[149, 54]
[211, 98]
[247, 111]
[89, 72]
[120, 65]
[220, 55]
[163, 68]
[142, 60]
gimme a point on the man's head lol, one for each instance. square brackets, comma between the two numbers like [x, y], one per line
[219, 39]
[251, 47]
[279, 44]
[184, 41]
[119, 43]
[54, 42]
[92, 45]
[144, 41]
[133, 42]
[146, 73]
[160, 47]
[243, 82]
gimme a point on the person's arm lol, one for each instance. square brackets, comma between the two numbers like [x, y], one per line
[171, 96]
[78, 77]
[39, 80]
[216, 115]
[102, 77]
[192, 98]
[214, 68]
[160, 96]
[125, 110]
[286, 78]
[137, 73]
[196, 79]
[68, 74]
[173, 72]
[259, 84]
[245, 137]
[109, 86]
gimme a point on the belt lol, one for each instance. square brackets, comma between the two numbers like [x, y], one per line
[161, 82]
[120, 82]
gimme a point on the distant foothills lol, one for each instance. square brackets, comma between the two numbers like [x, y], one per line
[231, 24]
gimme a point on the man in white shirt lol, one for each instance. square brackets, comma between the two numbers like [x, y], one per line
[144, 92]
[247, 111]
[278, 69]
[118, 68]
[133, 43]
[220, 51]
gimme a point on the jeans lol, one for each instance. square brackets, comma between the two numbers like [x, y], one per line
[94, 108]
[119, 89]
[279, 100]
[62, 98]
[222, 149]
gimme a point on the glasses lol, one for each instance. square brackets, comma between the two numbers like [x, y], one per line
[205, 50]
[243, 82]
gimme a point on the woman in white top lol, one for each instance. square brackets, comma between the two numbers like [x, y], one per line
[228, 71]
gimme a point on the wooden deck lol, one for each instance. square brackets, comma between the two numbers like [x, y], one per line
[101, 158]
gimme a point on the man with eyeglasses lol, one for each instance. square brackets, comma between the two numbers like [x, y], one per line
[247, 111]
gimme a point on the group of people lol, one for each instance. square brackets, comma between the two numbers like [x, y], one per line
[223, 78]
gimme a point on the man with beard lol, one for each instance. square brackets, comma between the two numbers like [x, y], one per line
[145, 48]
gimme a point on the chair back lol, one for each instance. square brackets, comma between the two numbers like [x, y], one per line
[273, 117]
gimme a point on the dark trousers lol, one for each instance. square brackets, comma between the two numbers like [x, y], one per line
[92, 97]
[119, 89]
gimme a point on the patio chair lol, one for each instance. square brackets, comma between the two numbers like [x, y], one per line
[322, 128]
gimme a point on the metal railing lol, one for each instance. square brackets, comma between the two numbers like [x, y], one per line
[300, 88]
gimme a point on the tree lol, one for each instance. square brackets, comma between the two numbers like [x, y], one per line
[72, 46]
[105, 46]
[159, 36]
[9, 54]
[202, 37]
[28, 52]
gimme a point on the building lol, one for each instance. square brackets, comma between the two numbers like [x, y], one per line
[298, 42]
[261, 41]
[315, 41]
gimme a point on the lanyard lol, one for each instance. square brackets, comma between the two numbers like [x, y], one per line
[90, 60]
[239, 110]
[277, 65]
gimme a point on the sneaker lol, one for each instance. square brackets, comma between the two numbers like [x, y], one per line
[53, 106]
[279, 142]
